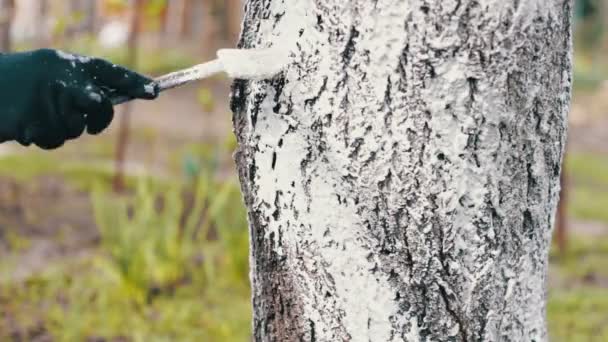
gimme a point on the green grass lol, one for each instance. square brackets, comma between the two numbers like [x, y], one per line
[589, 71]
[585, 260]
[585, 81]
[577, 306]
[578, 311]
[172, 265]
[82, 175]
[588, 169]
[584, 245]
[588, 204]
[579, 314]
[588, 196]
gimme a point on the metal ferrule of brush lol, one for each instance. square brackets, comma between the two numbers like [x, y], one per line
[178, 78]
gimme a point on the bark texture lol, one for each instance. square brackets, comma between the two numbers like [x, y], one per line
[402, 174]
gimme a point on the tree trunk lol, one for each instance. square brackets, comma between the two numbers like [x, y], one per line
[402, 175]
[88, 10]
[186, 21]
[209, 29]
[124, 125]
[43, 32]
[175, 17]
[561, 219]
[7, 13]
[234, 14]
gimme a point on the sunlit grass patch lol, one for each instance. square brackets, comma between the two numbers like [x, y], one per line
[578, 314]
[172, 265]
[588, 179]
[588, 169]
[588, 204]
[83, 175]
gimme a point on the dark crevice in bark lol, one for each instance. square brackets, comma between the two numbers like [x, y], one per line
[313, 337]
[277, 205]
[457, 7]
[257, 102]
[274, 160]
[278, 83]
[238, 96]
[312, 101]
[472, 82]
[448, 301]
[349, 49]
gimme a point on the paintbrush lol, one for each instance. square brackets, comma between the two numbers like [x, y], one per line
[250, 64]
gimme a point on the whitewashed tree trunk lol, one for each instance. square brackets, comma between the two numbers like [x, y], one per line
[402, 174]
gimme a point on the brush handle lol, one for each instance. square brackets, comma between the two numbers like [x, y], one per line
[179, 78]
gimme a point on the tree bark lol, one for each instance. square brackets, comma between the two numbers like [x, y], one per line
[402, 174]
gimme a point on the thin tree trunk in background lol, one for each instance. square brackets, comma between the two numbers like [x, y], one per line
[175, 10]
[561, 224]
[125, 114]
[87, 10]
[209, 28]
[72, 29]
[234, 14]
[7, 8]
[163, 36]
[89, 24]
[186, 19]
[42, 30]
[402, 175]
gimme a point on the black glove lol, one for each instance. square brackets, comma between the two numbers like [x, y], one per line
[49, 96]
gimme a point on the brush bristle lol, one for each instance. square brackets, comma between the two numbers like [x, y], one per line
[253, 64]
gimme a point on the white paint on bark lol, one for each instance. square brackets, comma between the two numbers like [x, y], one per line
[402, 173]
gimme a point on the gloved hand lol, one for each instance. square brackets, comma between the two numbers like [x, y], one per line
[49, 96]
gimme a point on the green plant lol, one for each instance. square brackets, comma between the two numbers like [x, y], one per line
[205, 99]
[578, 315]
[172, 265]
[168, 238]
[168, 261]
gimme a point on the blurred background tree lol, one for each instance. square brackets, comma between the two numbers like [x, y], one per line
[7, 8]
[166, 258]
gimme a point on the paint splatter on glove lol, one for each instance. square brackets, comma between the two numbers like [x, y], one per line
[49, 96]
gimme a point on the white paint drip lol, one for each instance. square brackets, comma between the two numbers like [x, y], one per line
[72, 57]
[95, 97]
